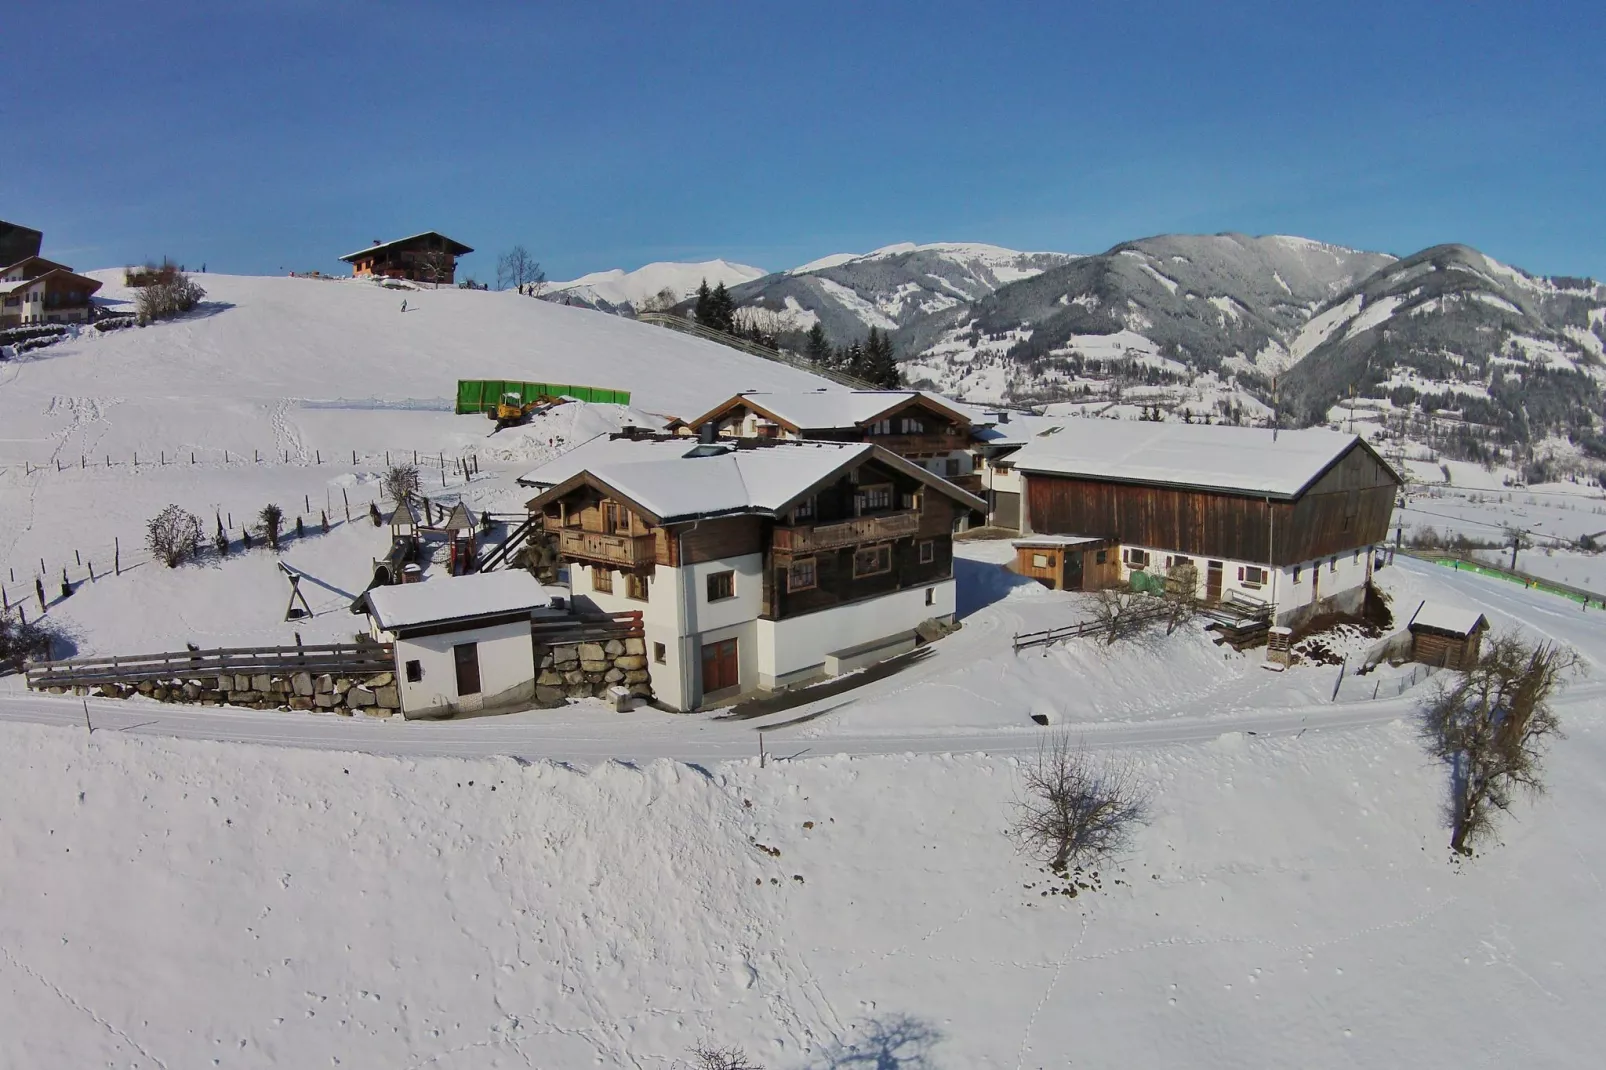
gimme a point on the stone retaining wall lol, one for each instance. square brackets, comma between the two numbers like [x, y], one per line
[373, 695]
[583, 670]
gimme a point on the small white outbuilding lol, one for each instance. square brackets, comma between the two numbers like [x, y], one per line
[463, 643]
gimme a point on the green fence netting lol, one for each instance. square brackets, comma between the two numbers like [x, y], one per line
[483, 395]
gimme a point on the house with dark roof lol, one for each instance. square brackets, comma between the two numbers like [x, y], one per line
[917, 426]
[427, 257]
[1283, 519]
[755, 564]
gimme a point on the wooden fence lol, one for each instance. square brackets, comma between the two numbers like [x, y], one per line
[591, 629]
[1025, 640]
[343, 659]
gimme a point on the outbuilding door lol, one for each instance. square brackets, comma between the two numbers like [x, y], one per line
[1213, 582]
[467, 657]
[1071, 579]
[720, 668]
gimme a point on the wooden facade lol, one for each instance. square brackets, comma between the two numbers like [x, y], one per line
[1087, 566]
[873, 530]
[915, 427]
[1447, 649]
[427, 257]
[1347, 506]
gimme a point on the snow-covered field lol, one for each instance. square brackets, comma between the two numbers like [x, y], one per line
[198, 887]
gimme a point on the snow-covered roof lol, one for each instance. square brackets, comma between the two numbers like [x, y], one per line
[456, 248]
[680, 478]
[806, 409]
[1444, 618]
[457, 598]
[1046, 541]
[1242, 460]
[1018, 430]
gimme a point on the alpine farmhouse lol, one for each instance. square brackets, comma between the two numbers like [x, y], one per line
[34, 290]
[756, 564]
[1286, 520]
[428, 257]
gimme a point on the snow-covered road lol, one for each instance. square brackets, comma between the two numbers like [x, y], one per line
[587, 734]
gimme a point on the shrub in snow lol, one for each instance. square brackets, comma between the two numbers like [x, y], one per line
[21, 640]
[709, 1057]
[400, 480]
[271, 516]
[1120, 613]
[1076, 808]
[166, 296]
[1181, 596]
[174, 534]
[1492, 726]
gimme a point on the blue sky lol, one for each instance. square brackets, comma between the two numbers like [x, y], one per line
[262, 136]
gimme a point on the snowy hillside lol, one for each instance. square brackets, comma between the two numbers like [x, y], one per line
[618, 289]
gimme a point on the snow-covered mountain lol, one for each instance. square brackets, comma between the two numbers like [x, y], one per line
[1503, 356]
[619, 290]
[898, 287]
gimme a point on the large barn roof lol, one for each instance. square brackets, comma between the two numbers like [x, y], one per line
[826, 408]
[681, 479]
[1236, 460]
[456, 248]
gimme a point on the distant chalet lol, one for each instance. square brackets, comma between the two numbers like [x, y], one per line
[427, 257]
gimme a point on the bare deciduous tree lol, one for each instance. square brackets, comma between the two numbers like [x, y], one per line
[709, 1057]
[400, 480]
[1181, 596]
[24, 639]
[174, 534]
[1492, 726]
[1119, 612]
[662, 301]
[434, 266]
[518, 268]
[1075, 807]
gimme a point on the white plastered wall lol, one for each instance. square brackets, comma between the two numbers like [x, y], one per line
[507, 669]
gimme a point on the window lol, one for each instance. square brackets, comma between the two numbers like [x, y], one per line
[611, 522]
[912, 426]
[721, 585]
[1251, 576]
[415, 671]
[875, 498]
[881, 427]
[953, 467]
[1296, 573]
[601, 579]
[931, 596]
[1332, 564]
[1135, 558]
[635, 586]
[911, 500]
[658, 653]
[571, 517]
[928, 551]
[872, 560]
[804, 510]
[1102, 557]
[800, 575]
[1039, 560]
[1356, 559]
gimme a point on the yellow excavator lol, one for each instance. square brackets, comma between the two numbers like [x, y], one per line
[513, 410]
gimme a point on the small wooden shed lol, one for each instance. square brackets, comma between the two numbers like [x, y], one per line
[1446, 636]
[1069, 562]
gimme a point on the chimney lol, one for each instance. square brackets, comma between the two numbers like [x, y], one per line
[1003, 416]
[706, 432]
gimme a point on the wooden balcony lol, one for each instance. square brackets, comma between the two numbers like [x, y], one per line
[625, 551]
[811, 538]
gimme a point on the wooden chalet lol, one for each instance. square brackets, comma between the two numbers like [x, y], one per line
[428, 257]
[1287, 524]
[757, 564]
[916, 426]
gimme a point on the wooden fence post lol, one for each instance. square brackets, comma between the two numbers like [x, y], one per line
[117, 557]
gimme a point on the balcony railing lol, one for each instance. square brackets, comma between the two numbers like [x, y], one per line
[837, 534]
[629, 551]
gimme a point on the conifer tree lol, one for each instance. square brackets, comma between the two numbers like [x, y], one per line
[701, 309]
[818, 347]
[721, 310]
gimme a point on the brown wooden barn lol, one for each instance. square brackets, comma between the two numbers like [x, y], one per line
[1287, 523]
[427, 257]
[1069, 562]
[1447, 637]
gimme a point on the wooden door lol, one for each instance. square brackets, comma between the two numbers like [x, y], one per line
[1071, 579]
[1213, 582]
[720, 668]
[467, 658]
